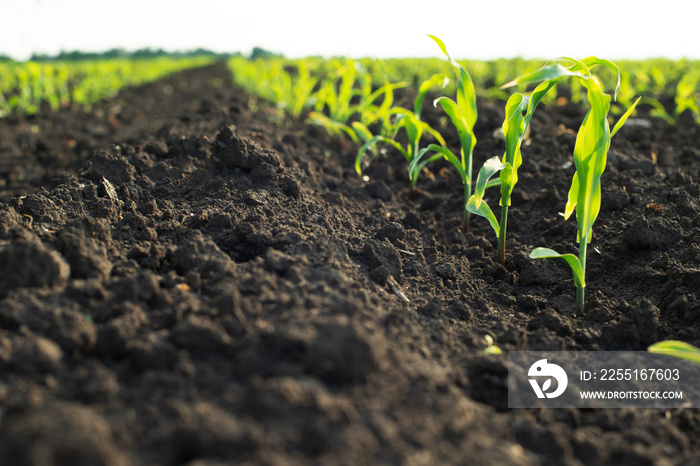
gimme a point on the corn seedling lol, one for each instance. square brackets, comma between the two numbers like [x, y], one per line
[366, 110]
[687, 95]
[463, 114]
[658, 110]
[288, 84]
[590, 156]
[298, 89]
[414, 127]
[346, 102]
[337, 90]
[519, 111]
[490, 347]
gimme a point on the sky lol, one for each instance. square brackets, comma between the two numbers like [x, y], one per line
[480, 29]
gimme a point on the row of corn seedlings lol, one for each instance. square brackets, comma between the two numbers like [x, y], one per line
[333, 103]
[590, 151]
[338, 97]
[668, 87]
[356, 98]
[25, 87]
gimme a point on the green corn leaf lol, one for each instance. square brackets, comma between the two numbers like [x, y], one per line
[659, 111]
[464, 130]
[400, 111]
[572, 260]
[483, 210]
[334, 128]
[677, 349]
[509, 178]
[536, 97]
[514, 127]
[414, 132]
[495, 183]
[466, 97]
[573, 197]
[573, 64]
[590, 62]
[369, 113]
[490, 168]
[419, 161]
[590, 157]
[441, 44]
[466, 94]
[513, 131]
[388, 90]
[362, 130]
[514, 123]
[547, 73]
[346, 91]
[624, 117]
[445, 153]
[475, 204]
[590, 154]
[436, 134]
[434, 80]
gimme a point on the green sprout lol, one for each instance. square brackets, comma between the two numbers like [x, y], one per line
[346, 96]
[298, 89]
[414, 128]
[590, 157]
[368, 112]
[463, 114]
[658, 110]
[687, 95]
[490, 347]
[337, 90]
[514, 129]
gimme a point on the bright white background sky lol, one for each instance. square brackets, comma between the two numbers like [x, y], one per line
[608, 28]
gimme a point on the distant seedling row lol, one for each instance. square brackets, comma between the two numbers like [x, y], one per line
[668, 87]
[25, 87]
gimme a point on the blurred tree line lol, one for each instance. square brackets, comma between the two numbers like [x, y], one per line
[75, 55]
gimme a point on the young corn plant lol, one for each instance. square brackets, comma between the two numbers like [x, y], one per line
[346, 102]
[337, 90]
[659, 111]
[519, 112]
[463, 114]
[590, 156]
[381, 117]
[366, 110]
[687, 93]
[415, 128]
[296, 89]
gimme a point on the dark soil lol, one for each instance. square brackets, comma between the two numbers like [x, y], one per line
[183, 281]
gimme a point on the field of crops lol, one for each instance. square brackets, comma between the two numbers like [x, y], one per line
[25, 87]
[327, 261]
